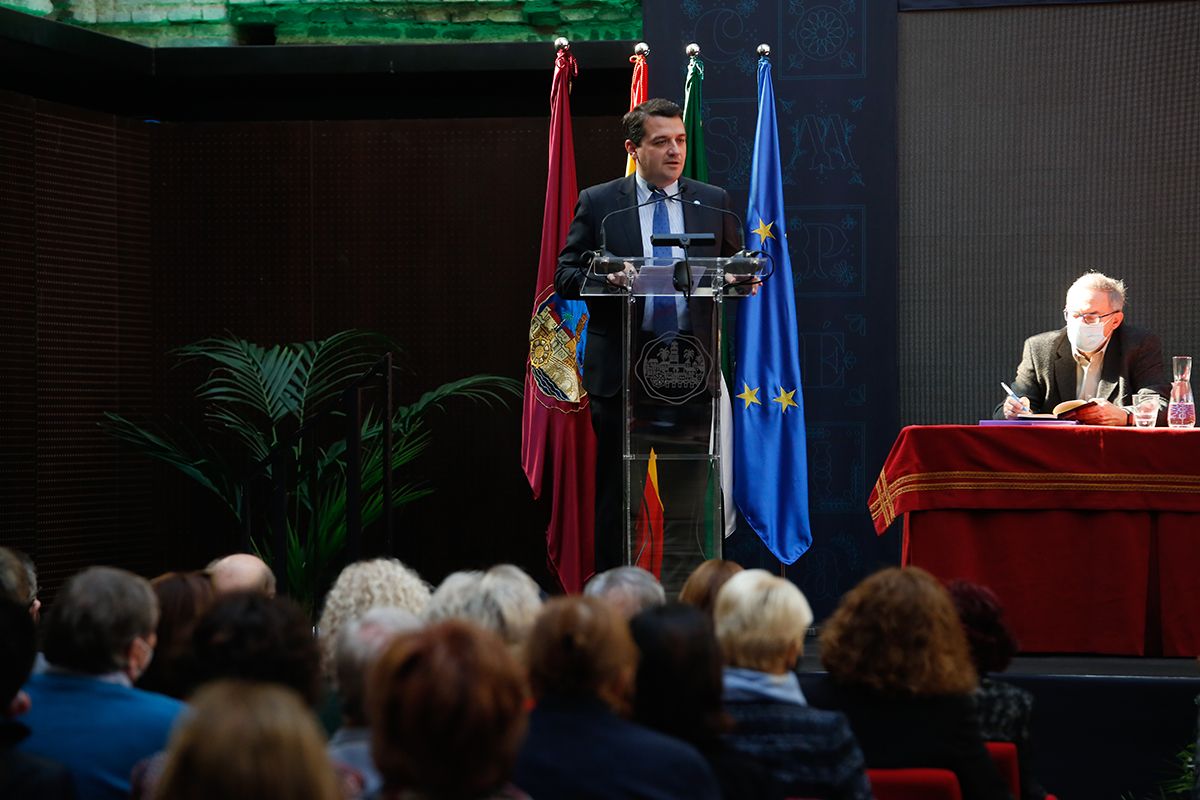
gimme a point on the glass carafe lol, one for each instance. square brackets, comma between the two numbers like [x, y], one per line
[1181, 413]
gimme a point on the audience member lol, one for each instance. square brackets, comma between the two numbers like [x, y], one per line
[183, 597]
[700, 589]
[22, 775]
[247, 741]
[504, 600]
[361, 586]
[679, 693]
[14, 579]
[99, 639]
[253, 637]
[761, 620]
[447, 708]
[358, 645]
[582, 664]
[627, 589]
[1004, 710]
[898, 667]
[241, 572]
[35, 604]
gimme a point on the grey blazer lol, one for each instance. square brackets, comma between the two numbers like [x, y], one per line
[1046, 374]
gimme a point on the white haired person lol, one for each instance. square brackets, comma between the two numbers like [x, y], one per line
[761, 620]
[630, 590]
[505, 600]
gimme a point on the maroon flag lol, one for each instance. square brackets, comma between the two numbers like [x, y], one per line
[556, 435]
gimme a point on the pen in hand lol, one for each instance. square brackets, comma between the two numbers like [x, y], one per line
[1008, 390]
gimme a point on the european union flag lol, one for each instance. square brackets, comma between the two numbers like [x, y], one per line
[770, 461]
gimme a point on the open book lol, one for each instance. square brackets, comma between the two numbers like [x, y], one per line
[1067, 410]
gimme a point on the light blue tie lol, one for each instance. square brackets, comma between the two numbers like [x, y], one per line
[663, 318]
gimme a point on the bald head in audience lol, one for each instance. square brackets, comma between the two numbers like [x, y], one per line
[241, 572]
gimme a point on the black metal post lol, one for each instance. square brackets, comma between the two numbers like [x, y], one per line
[388, 478]
[352, 400]
[280, 468]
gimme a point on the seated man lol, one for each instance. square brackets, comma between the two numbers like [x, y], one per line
[85, 713]
[1094, 357]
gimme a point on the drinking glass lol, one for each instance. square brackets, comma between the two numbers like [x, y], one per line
[1145, 409]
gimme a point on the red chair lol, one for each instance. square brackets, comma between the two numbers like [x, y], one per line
[1008, 764]
[914, 784]
[1004, 756]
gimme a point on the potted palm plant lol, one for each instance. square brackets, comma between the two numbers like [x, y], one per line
[256, 398]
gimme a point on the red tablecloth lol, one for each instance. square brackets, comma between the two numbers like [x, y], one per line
[1090, 536]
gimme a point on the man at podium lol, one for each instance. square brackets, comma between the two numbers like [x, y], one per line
[619, 217]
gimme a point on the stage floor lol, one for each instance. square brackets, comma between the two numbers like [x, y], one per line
[1058, 664]
[1132, 715]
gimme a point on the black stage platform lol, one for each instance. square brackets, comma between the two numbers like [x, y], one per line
[1103, 726]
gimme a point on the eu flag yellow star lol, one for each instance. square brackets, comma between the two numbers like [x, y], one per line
[749, 395]
[785, 400]
[764, 231]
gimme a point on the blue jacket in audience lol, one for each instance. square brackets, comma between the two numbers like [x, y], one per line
[97, 726]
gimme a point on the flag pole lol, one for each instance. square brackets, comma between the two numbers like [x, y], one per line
[639, 89]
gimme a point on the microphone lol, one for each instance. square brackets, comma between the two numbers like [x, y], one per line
[653, 199]
[740, 263]
[679, 198]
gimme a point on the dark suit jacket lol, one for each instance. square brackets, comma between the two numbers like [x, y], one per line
[1046, 374]
[899, 732]
[579, 749]
[602, 369]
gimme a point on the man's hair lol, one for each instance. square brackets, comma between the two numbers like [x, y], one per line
[359, 643]
[1099, 282]
[634, 123]
[629, 589]
[505, 600]
[251, 636]
[17, 649]
[96, 617]
[759, 617]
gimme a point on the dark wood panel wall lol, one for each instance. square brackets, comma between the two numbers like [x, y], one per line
[123, 239]
[76, 337]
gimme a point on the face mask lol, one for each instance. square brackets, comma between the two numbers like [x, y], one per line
[1085, 338]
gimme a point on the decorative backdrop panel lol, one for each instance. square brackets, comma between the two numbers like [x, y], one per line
[834, 65]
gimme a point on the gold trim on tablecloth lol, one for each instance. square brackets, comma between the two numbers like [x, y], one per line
[883, 503]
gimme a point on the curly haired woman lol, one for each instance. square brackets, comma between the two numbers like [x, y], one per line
[900, 670]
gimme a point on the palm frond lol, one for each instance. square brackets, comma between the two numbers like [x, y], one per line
[485, 389]
[332, 364]
[247, 378]
[202, 465]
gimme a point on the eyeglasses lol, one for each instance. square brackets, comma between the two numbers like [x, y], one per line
[1088, 319]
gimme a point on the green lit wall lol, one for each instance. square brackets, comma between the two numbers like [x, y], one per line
[226, 22]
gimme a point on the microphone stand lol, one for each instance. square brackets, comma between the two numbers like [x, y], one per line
[682, 277]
